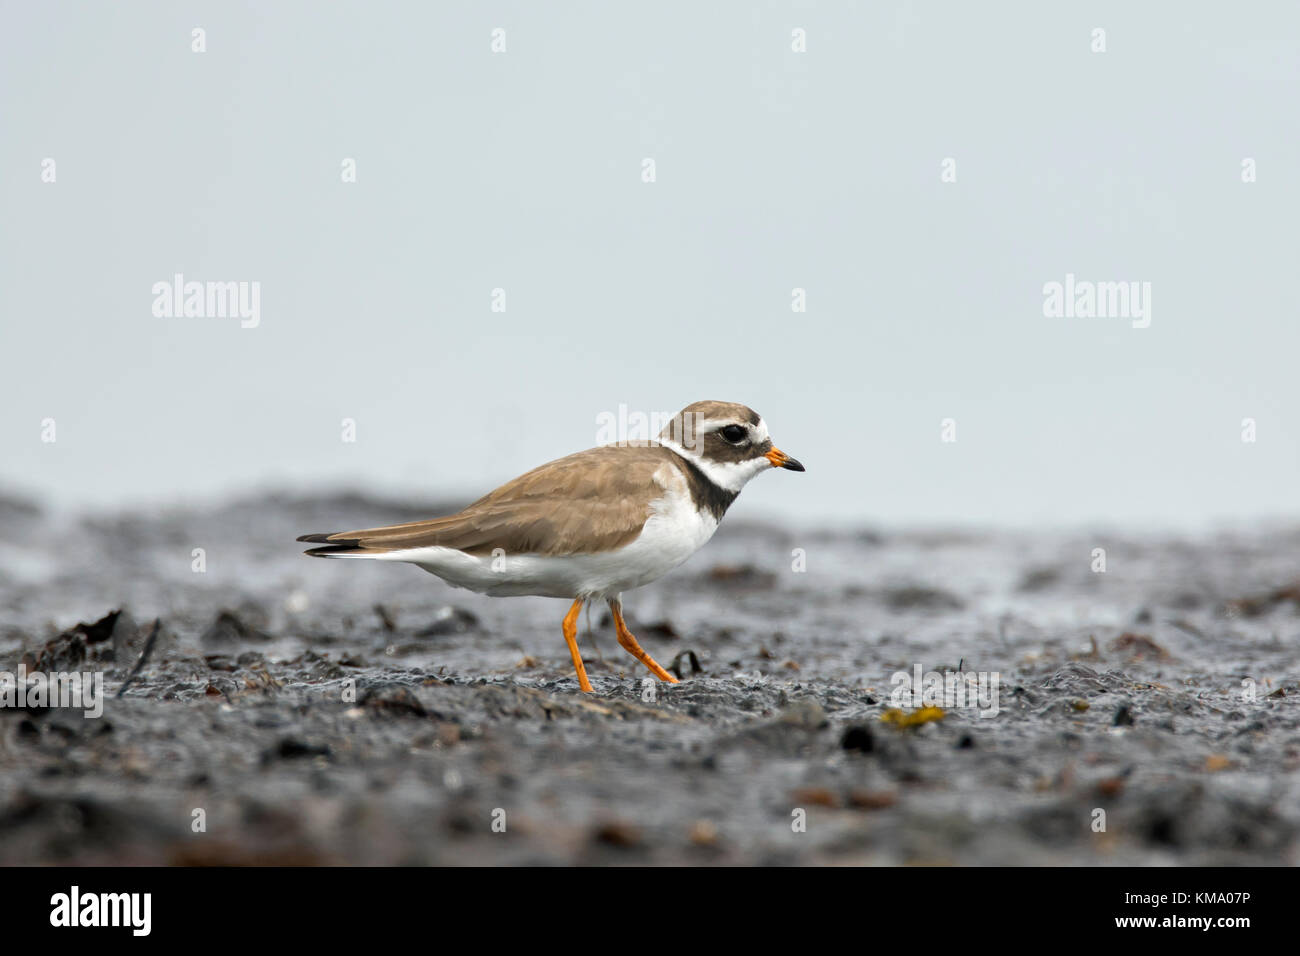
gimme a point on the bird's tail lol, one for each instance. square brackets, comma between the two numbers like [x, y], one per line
[336, 547]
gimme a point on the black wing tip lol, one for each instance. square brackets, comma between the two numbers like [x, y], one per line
[331, 550]
[333, 545]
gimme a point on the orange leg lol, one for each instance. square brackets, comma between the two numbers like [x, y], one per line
[629, 644]
[571, 636]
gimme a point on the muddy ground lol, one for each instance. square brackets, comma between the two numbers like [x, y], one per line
[1162, 692]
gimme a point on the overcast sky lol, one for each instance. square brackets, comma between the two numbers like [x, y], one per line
[822, 169]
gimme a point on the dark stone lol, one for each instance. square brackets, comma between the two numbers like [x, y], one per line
[858, 738]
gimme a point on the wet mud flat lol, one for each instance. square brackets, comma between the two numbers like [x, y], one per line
[297, 711]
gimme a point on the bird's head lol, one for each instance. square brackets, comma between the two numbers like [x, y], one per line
[726, 441]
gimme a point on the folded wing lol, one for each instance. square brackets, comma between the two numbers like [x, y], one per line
[595, 500]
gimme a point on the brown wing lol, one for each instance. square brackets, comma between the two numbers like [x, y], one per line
[595, 500]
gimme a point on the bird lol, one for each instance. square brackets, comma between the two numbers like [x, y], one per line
[591, 525]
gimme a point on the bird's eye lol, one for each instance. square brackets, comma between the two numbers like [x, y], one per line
[734, 434]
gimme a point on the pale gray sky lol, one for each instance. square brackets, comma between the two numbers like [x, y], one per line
[775, 169]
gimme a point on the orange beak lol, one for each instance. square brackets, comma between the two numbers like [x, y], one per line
[780, 459]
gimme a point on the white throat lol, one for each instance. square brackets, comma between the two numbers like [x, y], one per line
[728, 475]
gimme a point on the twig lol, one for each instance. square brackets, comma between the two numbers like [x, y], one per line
[144, 656]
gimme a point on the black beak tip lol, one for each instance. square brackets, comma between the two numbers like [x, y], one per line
[793, 465]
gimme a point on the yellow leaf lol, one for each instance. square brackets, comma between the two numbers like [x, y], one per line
[916, 718]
